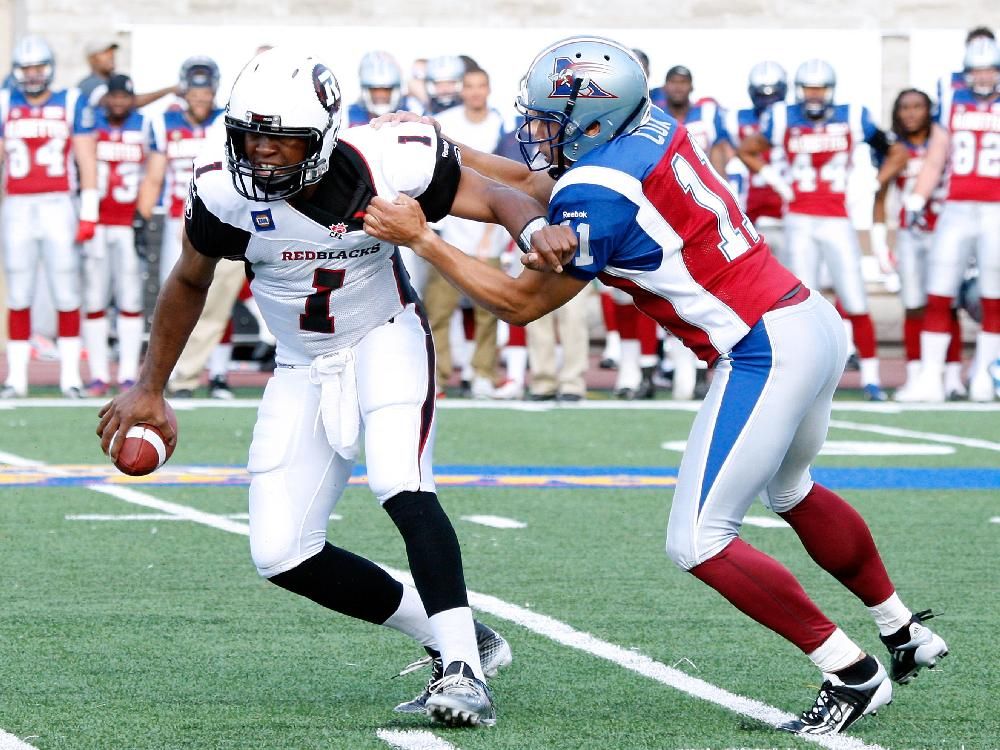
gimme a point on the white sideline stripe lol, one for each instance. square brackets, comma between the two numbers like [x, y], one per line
[161, 517]
[413, 739]
[497, 522]
[543, 625]
[916, 434]
[195, 404]
[10, 742]
[995, 519]
[765, 522]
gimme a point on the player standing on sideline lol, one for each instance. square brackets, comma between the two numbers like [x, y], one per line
[956, 80]
[443, 81]
[123, 139]
[354, 352]
[768, 190]
[913, 126]
[969, 224]
[178, 137]
[655, 219]
[381, 89]
[42, 131]
[819, 137]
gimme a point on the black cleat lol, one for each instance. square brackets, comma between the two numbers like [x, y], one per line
[838, 706]
[913, 646]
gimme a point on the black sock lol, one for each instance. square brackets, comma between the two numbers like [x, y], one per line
[859, 672]
[345, 583]
[431, 548]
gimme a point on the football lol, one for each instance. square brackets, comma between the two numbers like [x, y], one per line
[144, 450]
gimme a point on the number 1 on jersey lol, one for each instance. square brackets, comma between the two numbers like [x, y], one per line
[583, 256]
[317, 316]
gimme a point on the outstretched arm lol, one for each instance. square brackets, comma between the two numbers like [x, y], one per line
[519, 301]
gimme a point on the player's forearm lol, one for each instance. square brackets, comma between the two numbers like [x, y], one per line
[177, 311]
[878, 209]
[513, 210]
[85, 153]
[141, 100]
[488, 287]
[509, 172]
[934, 163]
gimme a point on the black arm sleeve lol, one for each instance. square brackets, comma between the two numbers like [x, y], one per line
[436, 200]
[210, 235]
[880, 141]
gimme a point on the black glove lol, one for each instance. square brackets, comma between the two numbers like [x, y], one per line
[140, 226]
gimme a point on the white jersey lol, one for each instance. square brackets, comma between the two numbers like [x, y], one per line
[321, 282]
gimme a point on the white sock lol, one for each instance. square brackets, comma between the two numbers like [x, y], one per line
[648, 360]
[912, 369]
[411, 619]
[218, 361]
[629, 375]
[837, 652]
[18, 355]
[69, 362]
[455, 634]
[987, 349]
[869, 371]
[953, 377]
[612, 345]
[933, 351]
[890, 615]
[95, 339]
[517, 363]
[130, 329]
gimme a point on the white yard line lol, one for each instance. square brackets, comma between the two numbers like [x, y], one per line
[995, 519]
[413, 739]
[548, 627]
[939, 437]
[10, 742]
[496, 522]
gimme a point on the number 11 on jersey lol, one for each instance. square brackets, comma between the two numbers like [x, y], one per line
[583, 256]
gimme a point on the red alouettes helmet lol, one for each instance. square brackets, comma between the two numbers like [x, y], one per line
[285, 92]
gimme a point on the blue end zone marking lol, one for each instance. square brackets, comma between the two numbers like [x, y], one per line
[657, 478]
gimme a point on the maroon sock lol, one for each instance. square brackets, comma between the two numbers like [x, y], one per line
[764, 589]
[911, 336]
[838, 539]
[864, 335]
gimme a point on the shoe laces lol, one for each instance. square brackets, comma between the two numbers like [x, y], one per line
[828, 703]
[417, 665]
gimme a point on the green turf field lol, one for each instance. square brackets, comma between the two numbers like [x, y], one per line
[134, 629]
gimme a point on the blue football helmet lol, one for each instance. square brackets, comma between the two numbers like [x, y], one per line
[768, 83]
[815, 74]
[443, 81]
[572, 86]
[29, 52]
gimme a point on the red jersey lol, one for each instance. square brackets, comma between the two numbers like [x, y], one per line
[974, 125]
[121, 152]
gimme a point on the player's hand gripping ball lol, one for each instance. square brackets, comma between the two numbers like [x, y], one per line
[144, 450]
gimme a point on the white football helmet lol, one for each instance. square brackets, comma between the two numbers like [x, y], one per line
[443, 81]
[815, 74]
[29, 52]
[982, 53]
[283, 92]
[379, 70]
[573, 85]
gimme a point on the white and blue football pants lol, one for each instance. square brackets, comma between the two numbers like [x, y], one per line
[761, 425]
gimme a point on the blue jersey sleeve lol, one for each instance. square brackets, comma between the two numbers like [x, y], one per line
[767, 124]
[868, 126]
[719, 124]
[84, 118]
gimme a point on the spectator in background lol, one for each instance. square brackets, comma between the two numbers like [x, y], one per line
[101, 59]
[473, 122]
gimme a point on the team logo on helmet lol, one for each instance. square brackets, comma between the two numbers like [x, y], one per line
[327, 90]
[565, 70]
